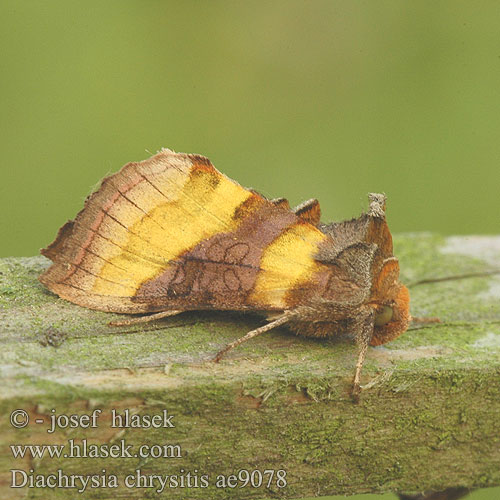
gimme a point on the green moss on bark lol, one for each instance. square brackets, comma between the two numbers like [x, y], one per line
[428, 417]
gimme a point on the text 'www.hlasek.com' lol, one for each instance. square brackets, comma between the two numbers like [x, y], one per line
[111, 448]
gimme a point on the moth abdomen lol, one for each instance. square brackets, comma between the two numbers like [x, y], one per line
[319, 329]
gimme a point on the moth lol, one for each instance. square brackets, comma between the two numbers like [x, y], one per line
[172, 234]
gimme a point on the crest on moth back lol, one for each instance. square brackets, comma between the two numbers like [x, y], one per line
[173, 233]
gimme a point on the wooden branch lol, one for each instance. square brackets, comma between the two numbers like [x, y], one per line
[428, 417]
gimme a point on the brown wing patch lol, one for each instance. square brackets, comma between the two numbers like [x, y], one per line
[281, 203]
[309, 211]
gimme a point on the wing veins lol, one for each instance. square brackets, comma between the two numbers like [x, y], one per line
[148, 242]
[123, 194]
[104, 259]
[162, 263]
[186, 194]
[95, 275]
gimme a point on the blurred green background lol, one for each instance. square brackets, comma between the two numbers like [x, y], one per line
[326, 99]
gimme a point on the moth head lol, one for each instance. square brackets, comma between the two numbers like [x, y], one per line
[392, 320]
[361, 253]
[384, 315]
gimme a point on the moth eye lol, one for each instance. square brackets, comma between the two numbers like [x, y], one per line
[383, 316]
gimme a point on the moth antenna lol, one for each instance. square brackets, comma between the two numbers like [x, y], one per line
[281, 320]
[425, 320]
[377, 205]
[144, 319]
[436, 323]
[478, 274]
[363, 336]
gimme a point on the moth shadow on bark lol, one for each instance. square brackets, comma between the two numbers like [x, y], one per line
[227, 326]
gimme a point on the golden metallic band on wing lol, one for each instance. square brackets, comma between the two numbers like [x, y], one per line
[191, 211]
[281, 274]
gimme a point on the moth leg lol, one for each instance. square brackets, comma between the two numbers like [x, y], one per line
[253, 333]
[363, 335]
[144, 319]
